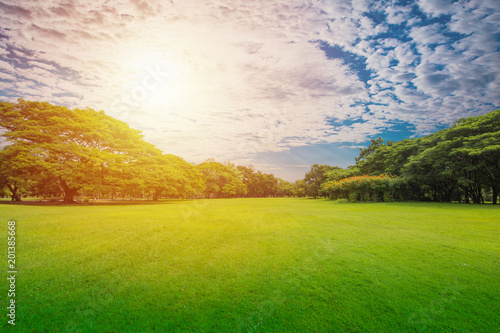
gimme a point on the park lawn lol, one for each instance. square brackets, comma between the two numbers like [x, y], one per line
[255, 265]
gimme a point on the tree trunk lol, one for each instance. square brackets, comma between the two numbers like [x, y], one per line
[69, 192]
[476, 195]
[448, 192]
[15, 196]
[466, 198]
[495, 194]
[157, 194]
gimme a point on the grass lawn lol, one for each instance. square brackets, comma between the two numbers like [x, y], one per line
[255, 265]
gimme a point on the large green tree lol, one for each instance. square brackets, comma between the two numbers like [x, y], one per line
[315, 177]
[171, 175]
[77, 147]
[458, 163]
[476, 152]
[222, 181]
[259, 184]
[19, 169]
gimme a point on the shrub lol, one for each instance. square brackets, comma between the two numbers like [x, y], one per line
[363, 188]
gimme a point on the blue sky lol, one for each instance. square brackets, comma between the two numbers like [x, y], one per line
[280, 85]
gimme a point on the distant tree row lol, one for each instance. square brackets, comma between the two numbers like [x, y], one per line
[52, 151]
[461, 163]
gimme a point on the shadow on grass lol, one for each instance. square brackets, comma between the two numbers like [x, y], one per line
[411, 203]
[94, 203]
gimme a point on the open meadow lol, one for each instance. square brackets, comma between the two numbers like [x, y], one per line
[255, 265]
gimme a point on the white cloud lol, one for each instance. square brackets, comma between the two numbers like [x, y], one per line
[6, 76]
[398, 14]
[436, 7]
[428, 34]
[233, 78]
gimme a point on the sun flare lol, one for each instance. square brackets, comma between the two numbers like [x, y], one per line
[158, 81]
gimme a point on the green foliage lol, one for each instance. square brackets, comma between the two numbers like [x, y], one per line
[363, 188]
[300, 188]
[260, 184]
[222, 181]
[372, 159]
[170, 175]
[285, 188]
[340, 173]
[19, 168]
[77, 148]
[52, 150]
[55, 150]
[314, 178]
[460, 163]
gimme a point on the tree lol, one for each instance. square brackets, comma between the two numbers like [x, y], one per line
[477, 145]
[458, 163]
[259, 184]
[299, 188]
[431, 167]
[340, 173]
[77, 147]
[172, 175]
[222, 181]
[18, 168]
[368, 158]
[316, 177]
[285, 188]
[362, 188]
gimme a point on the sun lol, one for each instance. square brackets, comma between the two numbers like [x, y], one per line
[168, 80]
[156, 80]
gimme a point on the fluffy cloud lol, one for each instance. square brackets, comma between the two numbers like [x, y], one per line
[436, 7]
[234, 78]
[428, 34]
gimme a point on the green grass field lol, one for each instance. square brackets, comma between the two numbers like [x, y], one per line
[255, 265]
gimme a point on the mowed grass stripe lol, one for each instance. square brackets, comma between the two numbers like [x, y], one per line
[257, 265]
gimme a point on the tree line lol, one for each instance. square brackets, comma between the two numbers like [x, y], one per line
[53, 151]
[460, 163]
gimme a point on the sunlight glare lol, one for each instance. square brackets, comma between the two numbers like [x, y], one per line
[158, 81]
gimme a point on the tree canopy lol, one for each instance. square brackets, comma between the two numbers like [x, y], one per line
[460, 163]
[315, 177]
[50, 150]
[82, 149]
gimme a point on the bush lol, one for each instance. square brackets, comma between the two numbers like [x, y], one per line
[363, 188]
